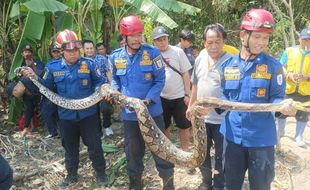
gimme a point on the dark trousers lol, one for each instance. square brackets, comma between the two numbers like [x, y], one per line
[213, 135]
[6, 174]
[87, 129]
[49, 116]
[259, 161]
[135, 150]
[105, 110]
[30, 104]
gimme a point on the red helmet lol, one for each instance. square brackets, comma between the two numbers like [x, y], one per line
[258, 20]
[130, 25]
[67, 39]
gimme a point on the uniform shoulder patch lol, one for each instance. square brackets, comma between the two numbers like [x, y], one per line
[45, 74]
[158, 62]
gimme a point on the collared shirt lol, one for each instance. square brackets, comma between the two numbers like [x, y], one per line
[256, 81]
[141, 76]
[102, 63]
[75, 81]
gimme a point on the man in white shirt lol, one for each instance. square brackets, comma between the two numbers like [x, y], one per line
[206, 80]
[175, 95]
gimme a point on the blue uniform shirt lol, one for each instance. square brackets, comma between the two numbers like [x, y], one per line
[102, 64]
[75, 82]
[258, 81]
[141, 76]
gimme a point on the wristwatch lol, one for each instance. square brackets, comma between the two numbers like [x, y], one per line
[187, 95]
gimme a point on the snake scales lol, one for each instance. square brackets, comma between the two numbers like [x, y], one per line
[154, 138]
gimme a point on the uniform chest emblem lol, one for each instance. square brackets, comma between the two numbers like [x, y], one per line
[145, 59]
[84, 68]
[261, 72]
[261, 92]
[232, 73]
[148, 76]
[84, 82]
[120, 63]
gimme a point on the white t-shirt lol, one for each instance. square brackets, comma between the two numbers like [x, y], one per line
[174, 85]
[208, 81]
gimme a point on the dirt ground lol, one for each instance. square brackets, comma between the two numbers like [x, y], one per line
[38, 163]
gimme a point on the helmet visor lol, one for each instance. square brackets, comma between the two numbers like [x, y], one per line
[72, 45]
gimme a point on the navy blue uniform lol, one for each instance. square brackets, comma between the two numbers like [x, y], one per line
[251, 136]
[142, 76]
[75, 82]
[6, 174]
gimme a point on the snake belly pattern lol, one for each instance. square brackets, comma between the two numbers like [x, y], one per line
[153, 136]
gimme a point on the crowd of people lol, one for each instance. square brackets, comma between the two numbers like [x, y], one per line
[169, 79]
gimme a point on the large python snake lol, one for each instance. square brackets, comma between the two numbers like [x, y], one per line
[153, 136]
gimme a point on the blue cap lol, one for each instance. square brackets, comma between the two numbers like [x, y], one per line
[305, 33]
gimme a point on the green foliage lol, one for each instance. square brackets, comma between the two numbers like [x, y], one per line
[177, 6]
[45, 6]
[97, 19]
[153, 11]
[30, 34]
[15, 110]
[121, 162]
[109, 148]
[148, 29]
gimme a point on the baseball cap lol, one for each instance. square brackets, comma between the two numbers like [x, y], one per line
[159, 32]
[55, 47]
[305, 33]
[27, 47]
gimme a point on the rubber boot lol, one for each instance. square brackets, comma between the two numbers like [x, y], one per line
[168, 183]
[69, 179]
[281, 126]
[300, 128]
[135, 183]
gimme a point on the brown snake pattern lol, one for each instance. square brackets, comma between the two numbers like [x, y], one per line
[153, 137]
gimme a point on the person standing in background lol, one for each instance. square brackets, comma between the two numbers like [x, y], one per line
[296, 61]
